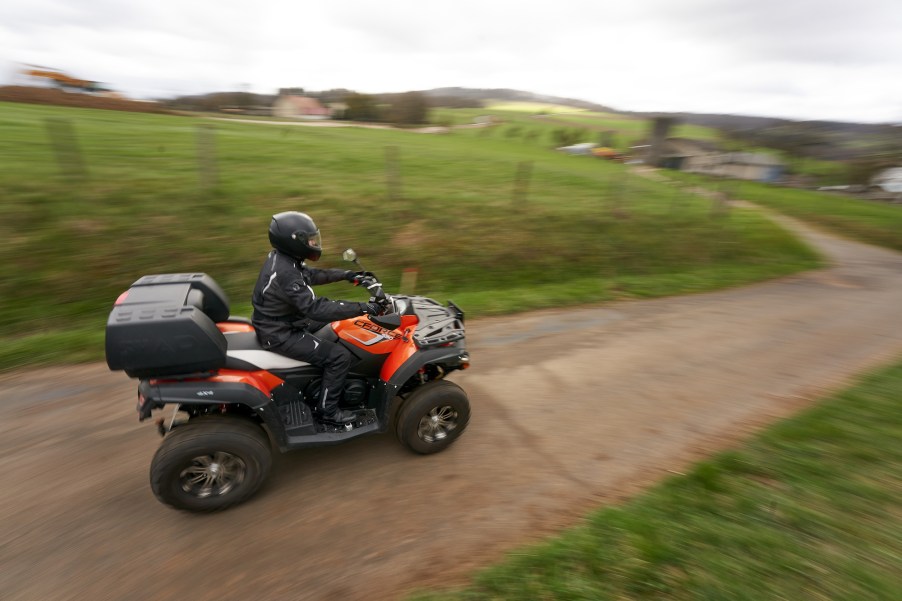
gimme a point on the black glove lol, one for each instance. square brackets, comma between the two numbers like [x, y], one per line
[371, 284]
[357, 277]
[372, 308]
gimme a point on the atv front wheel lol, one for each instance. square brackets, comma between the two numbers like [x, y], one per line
[433, 417]
[210, 463]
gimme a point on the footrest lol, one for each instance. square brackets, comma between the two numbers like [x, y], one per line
[295, 414]
[364, 417]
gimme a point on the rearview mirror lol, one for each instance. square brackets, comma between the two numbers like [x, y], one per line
[349, 255]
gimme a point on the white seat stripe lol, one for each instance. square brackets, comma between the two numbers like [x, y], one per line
[266, 359]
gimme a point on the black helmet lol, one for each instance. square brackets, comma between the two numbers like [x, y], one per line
[296, 235]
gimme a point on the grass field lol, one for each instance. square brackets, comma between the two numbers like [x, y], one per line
[809, 510]
[529, 107]
[629, 131]
[585, 231]
[870, 221]
[632, 128]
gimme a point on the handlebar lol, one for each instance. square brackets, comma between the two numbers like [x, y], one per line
[377, 293]
[372, 283]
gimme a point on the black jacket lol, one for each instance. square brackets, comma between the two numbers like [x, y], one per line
[284, 301]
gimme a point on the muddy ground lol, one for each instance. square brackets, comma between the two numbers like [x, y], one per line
[571, 409]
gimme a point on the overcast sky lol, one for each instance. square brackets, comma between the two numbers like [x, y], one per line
[804, 59]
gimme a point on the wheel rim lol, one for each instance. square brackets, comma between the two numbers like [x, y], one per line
[438, 424]
[212, 475]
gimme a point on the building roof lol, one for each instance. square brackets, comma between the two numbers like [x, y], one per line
[304, 105]
[686, 147]
[752, 158]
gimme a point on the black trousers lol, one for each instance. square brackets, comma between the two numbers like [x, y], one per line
[334, 359]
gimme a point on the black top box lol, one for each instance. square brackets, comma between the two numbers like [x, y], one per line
[165, 325]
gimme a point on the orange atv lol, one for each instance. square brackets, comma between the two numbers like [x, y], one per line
[230, 398]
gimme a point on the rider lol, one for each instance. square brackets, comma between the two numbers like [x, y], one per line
[287, 312]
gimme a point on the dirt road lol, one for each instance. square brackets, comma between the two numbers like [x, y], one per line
[571, 409]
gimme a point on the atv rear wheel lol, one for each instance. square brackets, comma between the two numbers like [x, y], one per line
[433, 417]
[210, 463]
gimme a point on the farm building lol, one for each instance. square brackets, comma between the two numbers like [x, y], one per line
[889, 180]
[685, 154]
[755, 166]
[299, 107]
[699, 156]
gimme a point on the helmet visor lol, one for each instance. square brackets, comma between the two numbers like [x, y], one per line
[314, 240]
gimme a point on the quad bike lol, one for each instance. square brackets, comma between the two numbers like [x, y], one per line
[231, 399]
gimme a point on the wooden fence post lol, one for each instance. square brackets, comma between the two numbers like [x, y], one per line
[65, 146]
[206, 156]
[720, 205]
[392, 172]
[617, 190]
[519, 197]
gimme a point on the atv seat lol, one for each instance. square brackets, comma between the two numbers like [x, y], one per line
[245, 353]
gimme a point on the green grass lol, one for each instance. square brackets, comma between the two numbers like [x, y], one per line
[810, 509]
[587, 230]
[529, 107]
[824, 173]
[536, 127]
[870, 221]
[628, 131]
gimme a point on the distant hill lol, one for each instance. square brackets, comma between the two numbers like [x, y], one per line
[741, 122]
[828, 140]
[880, 144]
[717, 121]
[485, 95]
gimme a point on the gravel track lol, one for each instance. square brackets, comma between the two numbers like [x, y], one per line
[571, 409]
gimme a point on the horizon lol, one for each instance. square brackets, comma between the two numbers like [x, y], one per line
[803, 61]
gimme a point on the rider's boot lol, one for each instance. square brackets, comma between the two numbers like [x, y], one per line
[335, 415]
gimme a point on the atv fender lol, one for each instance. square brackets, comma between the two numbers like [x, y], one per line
[157, 393]
[196, 392]
[453, 355]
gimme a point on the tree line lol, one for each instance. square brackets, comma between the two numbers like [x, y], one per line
[408, 108]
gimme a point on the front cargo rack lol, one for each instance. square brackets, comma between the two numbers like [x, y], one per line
[438, 324]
